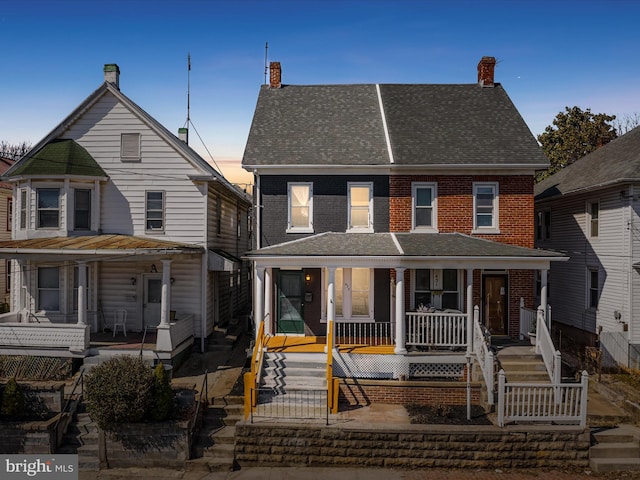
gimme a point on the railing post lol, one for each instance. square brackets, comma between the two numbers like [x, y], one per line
[557, 367]
[501, 399]
[583, 399]
[522, 319]
[539, 324]
[491, 380]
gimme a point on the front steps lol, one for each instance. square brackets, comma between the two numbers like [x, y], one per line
[615, 449]
[82, 438]
[522, 364]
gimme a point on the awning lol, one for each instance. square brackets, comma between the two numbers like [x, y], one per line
[221, 261]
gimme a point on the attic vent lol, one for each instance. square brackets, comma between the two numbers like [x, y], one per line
[130, 146]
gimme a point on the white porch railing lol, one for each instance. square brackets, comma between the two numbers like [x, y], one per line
[529, 317]
[526, 402]
[181, 330]
[485, 357]
[364, 333]
[544, 346]
[72, 337]
[440, 329]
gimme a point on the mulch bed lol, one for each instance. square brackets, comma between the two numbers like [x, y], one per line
[447, 415]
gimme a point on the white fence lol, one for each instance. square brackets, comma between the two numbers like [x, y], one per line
[485, 357]
[542, 403]
[364, 333]
[440, 329]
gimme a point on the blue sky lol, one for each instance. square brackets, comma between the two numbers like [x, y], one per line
[551, 54]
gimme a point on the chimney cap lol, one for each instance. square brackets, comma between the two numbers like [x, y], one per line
[112, 74]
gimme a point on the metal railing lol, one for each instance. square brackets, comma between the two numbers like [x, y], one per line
[484, 355]
[440, 329]
[293, 404]
[332, 384]
[561, 403]
[252, 377]
[204, 391]
[67, 403]
[363, 333]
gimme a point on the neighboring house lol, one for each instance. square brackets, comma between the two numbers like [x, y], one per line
[6, 210]
[385, 207]
[590, 210]
[114, 212]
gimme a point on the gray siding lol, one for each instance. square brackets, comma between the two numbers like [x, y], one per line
[329, 204]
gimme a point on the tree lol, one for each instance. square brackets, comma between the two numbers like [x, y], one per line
[573, 134]
[627, 122]
[13, 152]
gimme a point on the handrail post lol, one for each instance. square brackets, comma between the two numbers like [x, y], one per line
[501, 398]
[583, 399]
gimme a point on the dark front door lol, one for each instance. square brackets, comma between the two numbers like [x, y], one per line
[290, 302]
[495, 298]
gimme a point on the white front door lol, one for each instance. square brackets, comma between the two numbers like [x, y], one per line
[152, 300]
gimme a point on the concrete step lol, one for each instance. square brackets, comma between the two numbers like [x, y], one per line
[600, 465]
[620, 434]
[517, 365]
[527, 377]
[294, 383]
[210, 464]
[292, 371]
[224, 450]
[615, 450]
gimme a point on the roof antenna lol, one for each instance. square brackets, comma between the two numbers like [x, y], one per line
[188, 90]
[266, 67]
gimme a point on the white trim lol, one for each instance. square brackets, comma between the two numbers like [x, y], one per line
[495, 219]
[369, 227]
[397, 243]
[433, 186]
[347, 306]
[397, 169]
[163, 211]
[384, 125]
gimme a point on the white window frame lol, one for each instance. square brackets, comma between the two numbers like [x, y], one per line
[24, 209]
[40, 289]
[369, 227]
[130, 147]
[590, 218]
[299, 229]
[436, 287]
[58, 209]
[75, 208]
[346, 314]
[147, 219]
[415, 186]
[495, 215]
[590, 288]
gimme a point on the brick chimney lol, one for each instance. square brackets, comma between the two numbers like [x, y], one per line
[112, 74]
[485, 71]
[275, 75]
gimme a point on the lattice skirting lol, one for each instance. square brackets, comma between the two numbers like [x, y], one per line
[24, 367]
[367, 366]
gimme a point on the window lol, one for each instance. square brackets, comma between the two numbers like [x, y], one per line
[450, 289]
[155, 211]
[424, 206]
[130, 146]
[593, 216]
[23, 208]
[82, 209]
[300, 211]
[353, 291]
[48, 207]
[422, 288]
[543, 225]
[485, 207]
[436, 288]
[9, 213]
[593, 287]
[7, 269]
[48, 289]
[360, 206]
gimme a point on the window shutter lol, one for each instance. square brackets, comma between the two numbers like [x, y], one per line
[130, 146]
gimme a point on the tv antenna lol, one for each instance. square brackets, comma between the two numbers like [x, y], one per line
[188, 90]
[266, 66]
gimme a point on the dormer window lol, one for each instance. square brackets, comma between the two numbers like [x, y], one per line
[130, 147]
[82, 209]
[48, 200]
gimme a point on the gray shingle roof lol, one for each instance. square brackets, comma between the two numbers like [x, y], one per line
[616, 162]
[408, 245]
[427, 124]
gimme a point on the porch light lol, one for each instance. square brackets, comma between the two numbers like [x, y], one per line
[307, 277]
[133, 280]
[153, 268]
[172, 280]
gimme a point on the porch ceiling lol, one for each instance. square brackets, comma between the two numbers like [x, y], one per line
[92, 245]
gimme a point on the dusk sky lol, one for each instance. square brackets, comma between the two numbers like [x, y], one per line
[551, 54]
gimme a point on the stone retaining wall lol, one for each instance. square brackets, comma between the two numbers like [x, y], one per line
[412, 446]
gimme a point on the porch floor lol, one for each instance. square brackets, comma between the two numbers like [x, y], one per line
[284, 343]
[133, 341]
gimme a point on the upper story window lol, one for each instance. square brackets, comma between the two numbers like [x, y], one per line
[593, 219]
[82, 209]
[360, 207]
[48, 200]
[23, 208]
[130, 146]
[485, 207]
[49, 289]
[300, 208]
[154, 216]
[593, 288]
[543, 225]
[9, 214]
[424, 206]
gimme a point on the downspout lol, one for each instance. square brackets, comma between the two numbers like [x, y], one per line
[204, 273]
[258, 208]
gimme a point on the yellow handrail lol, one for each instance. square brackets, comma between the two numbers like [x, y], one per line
[332, 384]
[251, 377]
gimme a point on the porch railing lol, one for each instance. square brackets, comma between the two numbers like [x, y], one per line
[72, 337]
[529, 317]
[364, 333]
[440, 329]
[561, 403]
[181, 330]
[252, 377]
[544, 346]
[485, 356]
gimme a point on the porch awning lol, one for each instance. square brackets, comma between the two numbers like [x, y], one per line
[92, 245]
[221, 261]
[404, 249]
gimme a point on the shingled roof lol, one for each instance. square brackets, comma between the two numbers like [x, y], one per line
[616, 162]
[428, 125]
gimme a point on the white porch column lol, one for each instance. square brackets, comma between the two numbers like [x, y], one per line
[543, 297]
[258, 302]
[165, 299]
[331, 305]
[82, 293]
[470, 325]
[400, 317]
[268, 299]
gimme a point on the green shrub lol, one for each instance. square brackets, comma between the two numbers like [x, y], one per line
[162, 394]
[13, 400]
[119, 391]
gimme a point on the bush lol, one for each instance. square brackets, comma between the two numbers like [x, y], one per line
[162, 394]
[119, 391]
[13, 401]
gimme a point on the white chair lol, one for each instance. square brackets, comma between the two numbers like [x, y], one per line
[120, 319]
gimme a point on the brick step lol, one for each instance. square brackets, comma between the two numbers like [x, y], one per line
[615, 450]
